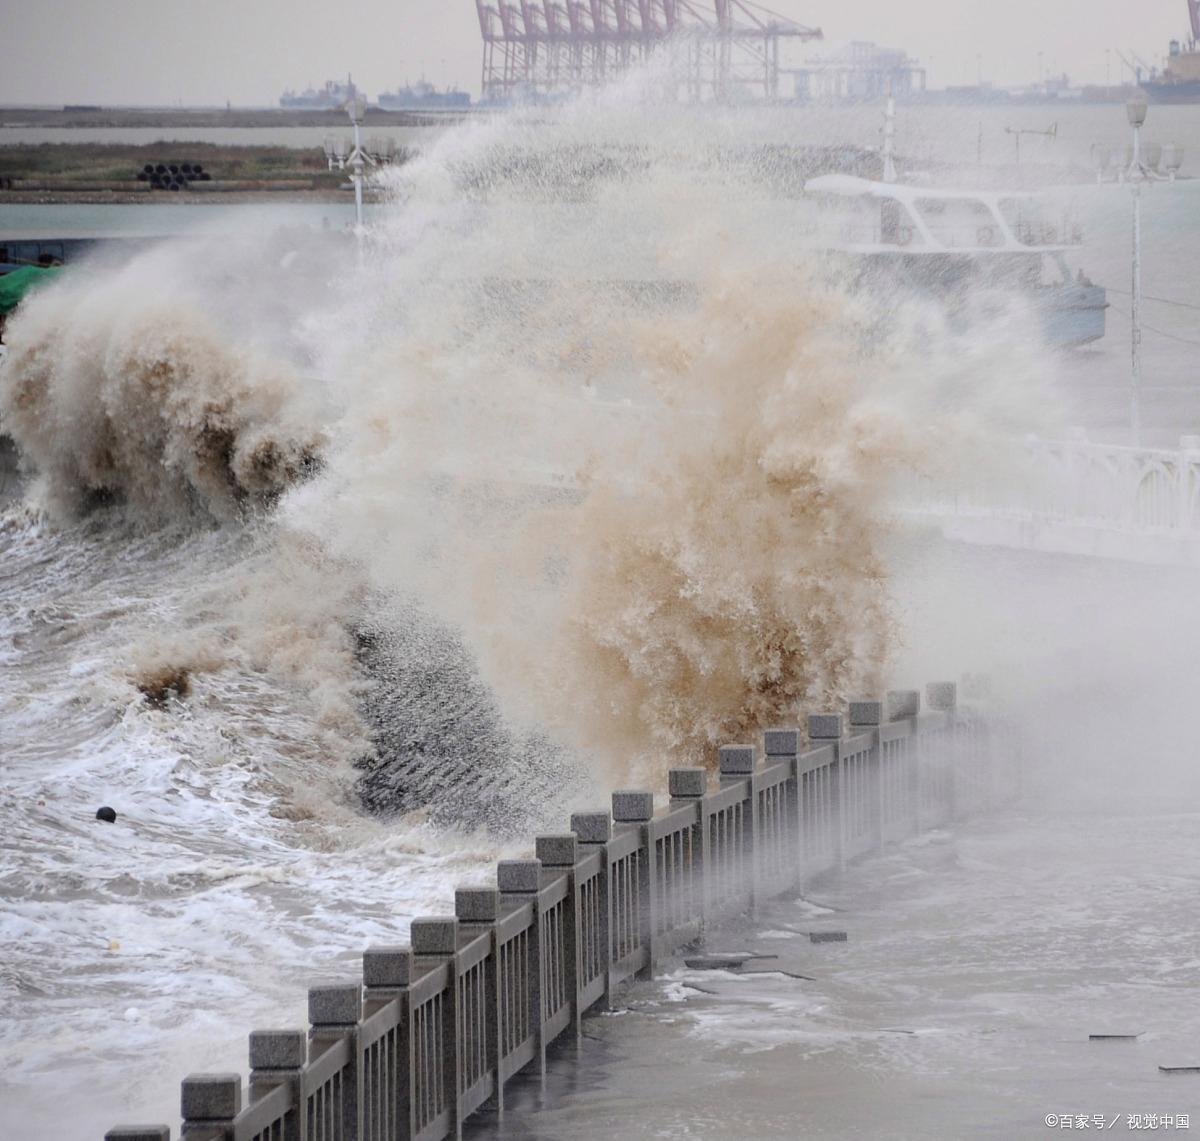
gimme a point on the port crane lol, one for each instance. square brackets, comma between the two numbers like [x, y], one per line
[551, 47]
[1194, 16]
[1137, 66]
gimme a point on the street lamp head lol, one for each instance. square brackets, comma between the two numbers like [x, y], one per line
[1136, 109]
[356, 108]
[1172, 157]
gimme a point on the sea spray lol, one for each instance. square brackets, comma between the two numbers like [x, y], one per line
[636, 441]
[719, 563]
[126, 385]
[607, 454]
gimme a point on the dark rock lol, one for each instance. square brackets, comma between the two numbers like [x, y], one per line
[108, 815]
[827, 936]
[723, 960]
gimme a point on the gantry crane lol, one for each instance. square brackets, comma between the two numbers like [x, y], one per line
[539, 47]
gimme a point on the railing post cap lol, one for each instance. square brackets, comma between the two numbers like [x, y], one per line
[519, 875]
[824, 726]
[866, 711]
[434, 935]
[139, 1133]
[941, 695]
[977, 686]
[902, 703]
[556, 850]
[781, 742]
[210, 1097]
[689, 782]
[335, 1003]
[736, 760]
[592, 827]
[476, 904]
[632, 806]
[387, 966]
[278, 1049]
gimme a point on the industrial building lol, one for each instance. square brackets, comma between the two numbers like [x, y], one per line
[859, 71]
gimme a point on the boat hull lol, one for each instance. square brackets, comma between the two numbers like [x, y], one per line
[1073, 315]
[1069, 313]
[1179, 91]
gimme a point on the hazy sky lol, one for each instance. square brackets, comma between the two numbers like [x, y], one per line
[247, 51]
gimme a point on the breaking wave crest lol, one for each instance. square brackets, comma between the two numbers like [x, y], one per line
[114, 391]
[735, 574]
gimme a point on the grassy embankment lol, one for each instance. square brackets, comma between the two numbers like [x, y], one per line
[54, 167]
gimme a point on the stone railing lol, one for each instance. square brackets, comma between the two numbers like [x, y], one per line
[434, 1029]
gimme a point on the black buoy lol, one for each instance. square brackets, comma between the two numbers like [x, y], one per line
[106, 814]
[148, 168]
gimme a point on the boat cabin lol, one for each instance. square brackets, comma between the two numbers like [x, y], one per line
[863, 216]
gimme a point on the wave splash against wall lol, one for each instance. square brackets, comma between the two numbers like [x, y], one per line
[587, 401]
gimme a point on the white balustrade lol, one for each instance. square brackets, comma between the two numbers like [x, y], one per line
[1079, 497]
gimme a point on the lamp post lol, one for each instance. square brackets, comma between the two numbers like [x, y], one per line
[889, 141]
[1143, 168]
[375, 153]
[356, 108]
[1136, 109]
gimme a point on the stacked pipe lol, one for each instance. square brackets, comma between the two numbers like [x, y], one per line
[173, 176]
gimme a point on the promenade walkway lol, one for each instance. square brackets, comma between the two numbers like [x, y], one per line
[978, 962]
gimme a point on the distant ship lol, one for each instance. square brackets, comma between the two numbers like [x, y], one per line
[1180, 81]
[424, 96]
[330, 97]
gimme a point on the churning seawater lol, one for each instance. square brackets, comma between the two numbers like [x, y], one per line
[470, 530]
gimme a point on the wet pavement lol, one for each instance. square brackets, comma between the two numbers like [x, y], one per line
[978, 962]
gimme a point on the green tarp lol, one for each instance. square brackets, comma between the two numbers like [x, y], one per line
[14, 286]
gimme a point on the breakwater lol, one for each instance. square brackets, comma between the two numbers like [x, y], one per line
[433, 1029]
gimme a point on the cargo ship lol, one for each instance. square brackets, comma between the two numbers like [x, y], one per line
[329, 98]
[424, 96]
[1179, 82]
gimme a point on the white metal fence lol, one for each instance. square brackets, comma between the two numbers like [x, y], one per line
[1078, 497]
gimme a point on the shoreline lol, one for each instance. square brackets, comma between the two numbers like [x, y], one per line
[216, 118]
[319, 197]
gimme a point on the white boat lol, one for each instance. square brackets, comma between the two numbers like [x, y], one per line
[958, 244]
